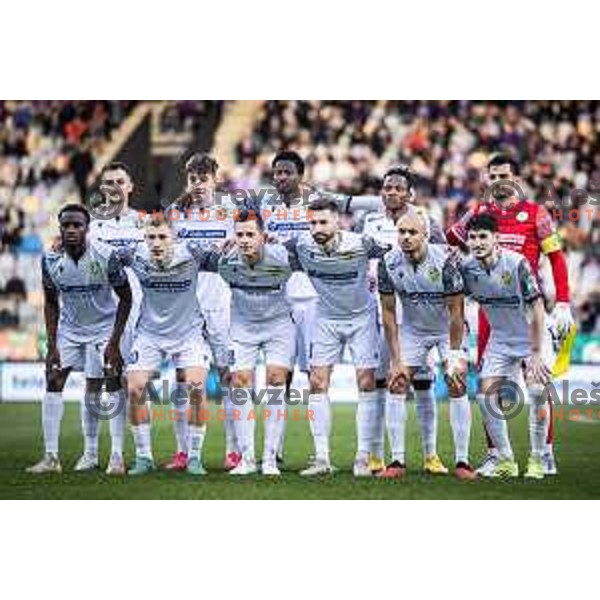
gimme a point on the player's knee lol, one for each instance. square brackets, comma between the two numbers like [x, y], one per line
[456, 389]
[55, 382]
[276, 377]
[241, 379]
[365, 381]
[318, 383]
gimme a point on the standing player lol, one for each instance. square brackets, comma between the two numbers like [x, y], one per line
[170, 325]
[430, 287]
[260, 321]
[83, 333]
[503, 282]
[118, 230]
[287, 215]
[337, 263]
[398, 195]
[527, 228]
[196, 216]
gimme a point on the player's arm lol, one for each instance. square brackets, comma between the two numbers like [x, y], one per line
[454, 289]
[120, 284]
[51, 314]
[207, 260]
[354, 204]
[551, 246]
[456, 235]
[293, 256]
[374, 248]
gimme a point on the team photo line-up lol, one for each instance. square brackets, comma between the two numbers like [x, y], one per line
[373, 276]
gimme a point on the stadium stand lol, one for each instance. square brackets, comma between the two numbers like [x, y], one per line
[349, 144]
[47, 152]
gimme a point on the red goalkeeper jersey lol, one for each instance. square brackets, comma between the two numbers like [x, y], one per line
[526, 228]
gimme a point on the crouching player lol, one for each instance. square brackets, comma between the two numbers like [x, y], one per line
[83, 332]
[427, 280]
[170, 325]
[503, 283]
[260, 321]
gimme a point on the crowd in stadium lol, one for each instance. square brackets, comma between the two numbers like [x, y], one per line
[349, 144]
[47, 151]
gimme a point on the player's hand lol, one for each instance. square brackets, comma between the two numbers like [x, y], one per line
[113, 361]
[56, 245]
[53, 359]
[270, 238]
[563, 319]
[537, 371]
[399, 375]
[456, 369]
[227, 245]
[224, 375]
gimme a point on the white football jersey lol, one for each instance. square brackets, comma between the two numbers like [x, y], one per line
[207, 226]
[87, 302]
[503, 291]
[339, 275]
[170, 307]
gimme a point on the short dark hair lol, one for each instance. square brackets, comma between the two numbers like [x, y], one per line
[403, 171]
[80, 208]
[501, 158]
[201, 163]
[114, 165]
[482, 221]
[249, 214]
[324, 203]
[290, 156]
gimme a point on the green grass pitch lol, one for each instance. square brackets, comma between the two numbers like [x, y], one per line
[577, 449]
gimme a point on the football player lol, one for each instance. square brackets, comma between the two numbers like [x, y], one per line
[83, 332]
[428, 283]
[503, 283]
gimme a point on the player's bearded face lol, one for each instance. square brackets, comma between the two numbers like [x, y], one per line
[160, 243]
[395, 192]
[116, 178]
[200, 186]
[498, 174]
[323, 226]
[481, 243]
[73, 229]
[249, 238]
[285, 177]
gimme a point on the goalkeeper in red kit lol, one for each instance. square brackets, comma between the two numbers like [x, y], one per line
[527, 228]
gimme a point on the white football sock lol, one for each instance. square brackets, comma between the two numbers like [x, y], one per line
[366, 416]
[118, 422]
[180, 408]
[320, 424]
[495, 425]
[274, 421]
[378, 446]
[143, 442]
[52, 413]
[395, 419]
[244, 428]
[231, 443]
[460, 421]
[538, 422]
[196, 435]
[426, 407]
[89, 422]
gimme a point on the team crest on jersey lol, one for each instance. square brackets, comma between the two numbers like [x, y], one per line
[507, 278]
[434, 274]
[522, 216]
[94, 268]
